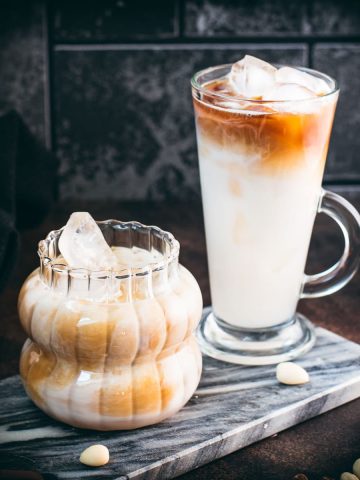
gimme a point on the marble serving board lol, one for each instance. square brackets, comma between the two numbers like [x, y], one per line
[233, 407]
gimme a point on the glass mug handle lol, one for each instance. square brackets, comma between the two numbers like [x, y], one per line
[337, 276]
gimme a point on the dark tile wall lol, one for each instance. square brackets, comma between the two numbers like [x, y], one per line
[23, 63]
[275, 18]
[125, 121]
[208, 18]
[343, 63]
[121, 115]
[334, 18]
[114, 20]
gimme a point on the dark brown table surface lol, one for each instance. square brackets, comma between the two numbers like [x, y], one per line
[320, 448]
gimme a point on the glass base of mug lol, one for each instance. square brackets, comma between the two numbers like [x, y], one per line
[264, 346]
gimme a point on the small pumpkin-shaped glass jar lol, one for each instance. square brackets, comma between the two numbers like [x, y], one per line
[109, 349]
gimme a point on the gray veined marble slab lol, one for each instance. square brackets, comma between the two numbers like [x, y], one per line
[233, 407]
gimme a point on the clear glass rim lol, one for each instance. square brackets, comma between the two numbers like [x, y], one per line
[200, 88]
[128, 271]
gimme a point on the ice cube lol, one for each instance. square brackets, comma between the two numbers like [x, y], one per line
[83, 245]
[252, 77]
[298, 77]
[289, 91]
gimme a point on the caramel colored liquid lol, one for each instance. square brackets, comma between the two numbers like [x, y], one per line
[280, 140]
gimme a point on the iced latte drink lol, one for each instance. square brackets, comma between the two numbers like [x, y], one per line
[110, 316]
[263, 135]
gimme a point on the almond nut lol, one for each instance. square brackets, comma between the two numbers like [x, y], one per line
[291, 374]
[95, 456]
[348, 476]
[356, 467]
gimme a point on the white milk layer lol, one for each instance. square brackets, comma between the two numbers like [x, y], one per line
[258, 229]
[135, 256]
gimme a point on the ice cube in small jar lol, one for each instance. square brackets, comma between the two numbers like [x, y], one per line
[110, 315]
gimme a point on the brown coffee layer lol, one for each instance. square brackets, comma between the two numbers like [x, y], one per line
[278, 140]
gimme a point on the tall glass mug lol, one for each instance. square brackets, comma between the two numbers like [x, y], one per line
[261, 168]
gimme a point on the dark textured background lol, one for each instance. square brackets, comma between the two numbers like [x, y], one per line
[106, 83]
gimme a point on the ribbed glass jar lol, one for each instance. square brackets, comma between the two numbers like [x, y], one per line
[110, 349]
